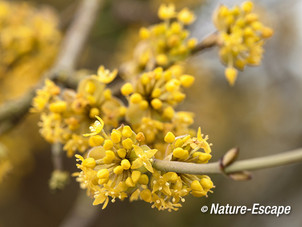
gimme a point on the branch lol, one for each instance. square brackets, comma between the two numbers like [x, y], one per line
[56, 151]
[208, 42]
[82, 213]
[285, 158]
[71, 48]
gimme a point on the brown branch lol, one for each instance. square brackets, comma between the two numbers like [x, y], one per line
[208, 42]
[71, 48]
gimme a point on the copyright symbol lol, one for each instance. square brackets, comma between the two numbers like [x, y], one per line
[204, 209]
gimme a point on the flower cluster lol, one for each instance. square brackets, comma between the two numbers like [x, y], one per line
[241, 37]
[29, 40]
[152, 98]
[120, 166]
[65, 114]
[164, 44]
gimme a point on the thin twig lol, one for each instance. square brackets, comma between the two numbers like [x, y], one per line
[285, 158]
[82, 214]
[70, 50]
[56, 151]
[208, 42]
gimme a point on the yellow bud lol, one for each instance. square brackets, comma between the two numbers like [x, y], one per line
[58, 107]
[107, 94]
[171, 176]
[231, 75]
[89, 162]
[95, 141]
[129, 182]
[127, 132]
[156, 104]
[198, 193]
[196, 186]
[187, 80]
[90, 87]
[91, 99]
[169, 138]
[180, 153]
[127, 143]
[206, 183]
[103, 181]
[116, 136]
[172, 85]
[140, 137]
[108, 144]
[127, 89]
[178, 96]
[135, 176]
[162, 59]
[136, 98]
[192, 43]
[144, 33]
[247, 6]
[146, 195]
[122, 110]
[156, 93]
[175, 27]
[125, 164]
[144, 179]
[109, 157]
[204, 157]
[166, 12]
[145, 78]
[143, 105]
[94, 112]
[251, 17]
[169, 112]
[267, 32]
[186, 16]
[118, 170]
[257, 25]
[167, 75]
[103, 173]
[121, 152]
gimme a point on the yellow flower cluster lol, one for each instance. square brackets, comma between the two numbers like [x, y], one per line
[152, 98]
[65, 114]
[241, 37]
[29, 40]
[165, 43]
[120, 165]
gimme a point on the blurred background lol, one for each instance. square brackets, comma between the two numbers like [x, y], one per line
[261, 115]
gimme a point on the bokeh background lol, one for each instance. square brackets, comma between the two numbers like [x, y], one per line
[261, 114]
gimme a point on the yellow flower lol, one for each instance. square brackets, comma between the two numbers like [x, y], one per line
[166, 12]
[144, 158]
[96, 128]
[105, 76]
[186, 16]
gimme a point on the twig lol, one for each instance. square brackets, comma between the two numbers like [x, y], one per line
[285, 158]
[82, 214]
[56, 151]
[71, 48]
[208, 42]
